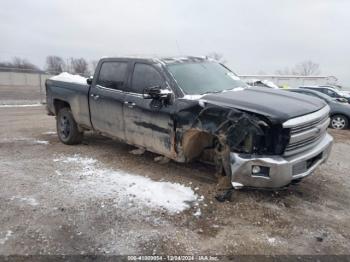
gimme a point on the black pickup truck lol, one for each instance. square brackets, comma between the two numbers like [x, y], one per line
[194, 108]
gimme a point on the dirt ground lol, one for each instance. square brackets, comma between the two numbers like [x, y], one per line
[47, 206]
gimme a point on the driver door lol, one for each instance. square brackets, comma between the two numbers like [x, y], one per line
[146, 126]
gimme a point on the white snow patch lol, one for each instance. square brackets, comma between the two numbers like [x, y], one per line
[233, 76]
[30, 105]
[28, 200]
[270, 84]
[66, 77]
[192, 97]
[272, 240]
[42, 142]
[7, 236]
[127, 188]
[24, 139]
[198, 213]
[50, 133]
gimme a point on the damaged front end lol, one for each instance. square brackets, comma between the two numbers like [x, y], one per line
[246, 148]
[216, 132]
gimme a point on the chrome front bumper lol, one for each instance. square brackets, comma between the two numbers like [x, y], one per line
[280, 171]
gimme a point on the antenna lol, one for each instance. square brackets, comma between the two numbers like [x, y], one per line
[178, 47]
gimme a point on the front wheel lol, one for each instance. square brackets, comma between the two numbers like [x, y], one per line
[339, 122]
[67, 128]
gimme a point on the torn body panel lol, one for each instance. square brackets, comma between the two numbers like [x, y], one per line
[247, 149]
[215, 132]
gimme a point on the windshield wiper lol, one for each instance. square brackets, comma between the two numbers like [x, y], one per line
[211, 92]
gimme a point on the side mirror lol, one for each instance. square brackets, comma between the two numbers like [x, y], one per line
[342, 100]
[156, 92]
[89, 80]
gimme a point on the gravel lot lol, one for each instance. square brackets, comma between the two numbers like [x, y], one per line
[58, 199]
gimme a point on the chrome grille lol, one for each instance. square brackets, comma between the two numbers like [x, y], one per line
[306, 131]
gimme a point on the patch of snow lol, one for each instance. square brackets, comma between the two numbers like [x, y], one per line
[42, 142]
[50, 133]
[7, 236]
[270, 84]
[24, 139]
[233, 76]
[272, 240]
[66, 77]
[198, 213]
[30, 105]
[192, 97]
[127, 188]
[28, 200]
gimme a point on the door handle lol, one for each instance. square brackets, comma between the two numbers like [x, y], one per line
[95, 97]
[130, 104]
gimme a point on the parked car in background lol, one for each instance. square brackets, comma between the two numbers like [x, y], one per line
[330, 91]
[338, 89]
[339, 113]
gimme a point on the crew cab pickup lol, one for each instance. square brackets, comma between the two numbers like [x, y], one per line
[194, 108]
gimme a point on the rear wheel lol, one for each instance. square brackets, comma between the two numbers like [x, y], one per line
[339, 122]
[67, 128]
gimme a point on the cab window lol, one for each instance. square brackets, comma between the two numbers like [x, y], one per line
[112, 75]
[144, 76]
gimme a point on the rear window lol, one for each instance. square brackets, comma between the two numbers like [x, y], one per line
[112, 75]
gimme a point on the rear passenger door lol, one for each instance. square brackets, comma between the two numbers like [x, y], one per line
[145, 126]
[107, 97]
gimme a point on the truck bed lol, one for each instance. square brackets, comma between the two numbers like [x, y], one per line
[77, 95]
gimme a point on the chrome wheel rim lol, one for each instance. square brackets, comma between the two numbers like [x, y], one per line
[338, 122]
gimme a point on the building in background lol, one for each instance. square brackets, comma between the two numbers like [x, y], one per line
[285, 81]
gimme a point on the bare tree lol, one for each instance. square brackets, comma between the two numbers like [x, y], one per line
[307, 68]
[217, 56]
[55, 64]
[5, 64]
[22, 63]
[79, 66]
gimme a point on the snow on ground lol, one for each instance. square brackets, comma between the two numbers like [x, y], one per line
[125, 188]
[42, 142]
[28, 200]
[50, 133]
[29, 105]
[66, 77]
[24, 139]
[7, 236]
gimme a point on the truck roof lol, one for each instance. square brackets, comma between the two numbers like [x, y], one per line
[163, 60]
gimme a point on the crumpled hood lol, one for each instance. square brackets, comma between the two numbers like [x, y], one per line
[277, 105]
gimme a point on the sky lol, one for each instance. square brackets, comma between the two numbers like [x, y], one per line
[254, 36]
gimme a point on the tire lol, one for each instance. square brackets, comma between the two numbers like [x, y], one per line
[67, 128]
[339, 122]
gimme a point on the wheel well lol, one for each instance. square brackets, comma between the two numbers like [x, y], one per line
[194, 142]
[340, 114]
[59, 104]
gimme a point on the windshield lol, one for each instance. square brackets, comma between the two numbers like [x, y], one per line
[204, 77]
